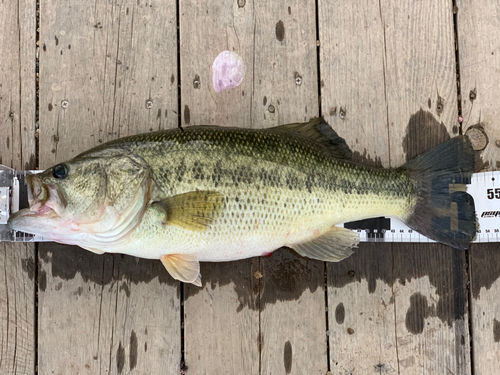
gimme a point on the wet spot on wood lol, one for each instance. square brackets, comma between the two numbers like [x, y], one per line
[423, 132]
[239, 273]
[287, 357]
[285, 277]
[280, 30]
[50, 107]
[418, 311]
[28, 265]
[58, 286]
[442, 265]
[496, 330]
[44, 47]
[366, 159]
[31, 164]
[172, 79]
[383, 368]
[340, 313]
[264, 101]
[8, 142]
[145, 346]
[485, 267]
[187, 115]
[133, 350]
[42, 281]
[429, 103]
[158, 115]
[289, 10]
[67, 261]
[125, 288]
[455, 129]
[57, 40]
[120, 358]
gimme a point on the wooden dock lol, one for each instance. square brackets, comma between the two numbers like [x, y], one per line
[392, 77]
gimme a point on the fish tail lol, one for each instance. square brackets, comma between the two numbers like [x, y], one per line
[443, 210]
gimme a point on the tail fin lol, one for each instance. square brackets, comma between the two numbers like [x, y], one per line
[444, 211]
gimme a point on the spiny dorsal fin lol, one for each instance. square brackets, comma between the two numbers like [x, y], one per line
[195, 210]
[332, 246]
[319, 131]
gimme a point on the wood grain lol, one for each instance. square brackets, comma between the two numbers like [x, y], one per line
[17, 309]
[478, 27]
[479, 47]
[17, 150]
[277, 42]
[390, 67]
[107, 69]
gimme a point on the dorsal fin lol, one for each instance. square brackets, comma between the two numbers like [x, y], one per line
[318, 130]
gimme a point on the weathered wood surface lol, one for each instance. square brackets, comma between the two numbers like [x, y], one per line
[387, 81]
[258, 306]
[17, 150]
[388, 86]
[479, 47]
[107, 69]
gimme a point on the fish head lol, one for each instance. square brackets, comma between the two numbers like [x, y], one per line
[84, 195]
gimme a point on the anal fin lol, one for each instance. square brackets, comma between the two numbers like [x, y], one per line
[332, 246]
[183, 267]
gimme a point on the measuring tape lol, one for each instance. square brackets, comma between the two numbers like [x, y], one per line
[484, 187]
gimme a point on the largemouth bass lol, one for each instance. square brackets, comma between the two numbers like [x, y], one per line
[207, 193]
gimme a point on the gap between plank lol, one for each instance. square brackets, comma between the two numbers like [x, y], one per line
[178, 18]
[467, 252]
[318, 61]
[182, 363]
[318, 67]
[326, 319]
[37, 166]
[457, 62]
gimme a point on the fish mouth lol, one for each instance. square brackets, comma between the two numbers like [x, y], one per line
[45, 210]
[44, 200]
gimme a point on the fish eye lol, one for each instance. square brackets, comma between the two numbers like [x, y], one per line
[60, 171]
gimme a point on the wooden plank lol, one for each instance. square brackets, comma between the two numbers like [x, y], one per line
[485, 309]
[400, 309]
[478, 26]
[108, 69]
[393, 72]
[479, 51]
[17, 309]
[224, 330]
[17, 150]
[221, 319]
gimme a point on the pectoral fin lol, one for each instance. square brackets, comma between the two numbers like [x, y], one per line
[332, 246]
[185, 268]
[195, 210]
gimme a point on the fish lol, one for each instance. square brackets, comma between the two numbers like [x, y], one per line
[209, 194]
